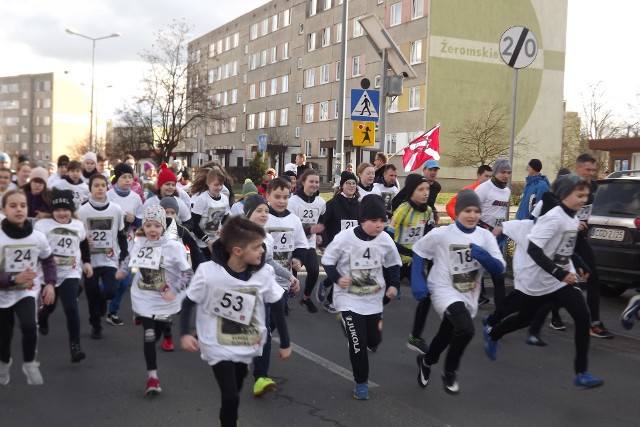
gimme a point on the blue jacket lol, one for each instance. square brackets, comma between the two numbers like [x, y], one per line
[536, 186]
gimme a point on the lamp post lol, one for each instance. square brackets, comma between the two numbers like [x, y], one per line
[93, 58]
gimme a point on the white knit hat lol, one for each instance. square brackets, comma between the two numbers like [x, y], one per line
[91, 156]
[155, 213]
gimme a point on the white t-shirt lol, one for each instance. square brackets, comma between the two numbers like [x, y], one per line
[362, 192]
[131, 203]
[362, 261]
[495, 202]
[387, 193]
[287, 234]
[157, 264]
[237, 209]
[308, 214]
[80, 191]
[18, 255]
[64, 240]
[103, 226]
[222, 339]
[517, 230]
[184, 210]
[555, 233]
[211, 212]
[182, 194]
[455, 275]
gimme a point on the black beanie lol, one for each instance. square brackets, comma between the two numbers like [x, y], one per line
[564, 185]
[63, 160]
[346, 176]
[120, 170]
[372, 207]
[467, 198]
[62, 199]
[412, 181]
[252, 202]
[535, 164]
[289, 173]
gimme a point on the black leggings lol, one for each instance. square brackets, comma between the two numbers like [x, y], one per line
[512, 303]
[152, 331]
[25, 310]
[313, 271]
[95, 297]
[362, 331]
[456, 331]
[583, 249]
[420, 317]
[569, 297]
[67, 293]
[230, 377]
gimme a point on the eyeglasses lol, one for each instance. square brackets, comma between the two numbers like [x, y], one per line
[350, 183]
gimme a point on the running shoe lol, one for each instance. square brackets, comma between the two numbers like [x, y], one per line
[450, 383]
[153, 386]
[535, 340]
[77, 355]
[32, 371]
[557, 324]
[587, 380]
[423, 371]
[629, 316]
[373, 349]
[114, 319]
[43, 322]
[361, 392]
[96, 333]
[399, 294]
[321, 293]
[311, 307]
[262, 386]
[417, 344]
[4, 372]
[482, 300]
[167, 344]
[599, 331]
[329, 307]
[490, 346]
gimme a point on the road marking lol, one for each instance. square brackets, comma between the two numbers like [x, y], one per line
[325, 363]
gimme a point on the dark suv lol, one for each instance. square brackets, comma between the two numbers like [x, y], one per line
[614, 232]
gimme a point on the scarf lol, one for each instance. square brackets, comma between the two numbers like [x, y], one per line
[16, 232]
[98, 205]
[120, 192]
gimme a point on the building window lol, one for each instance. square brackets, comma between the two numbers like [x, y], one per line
[274, 87]
[210, 76]
[322, 152]
[417, 9]
[326, 37]
[390, 143]
[324, 111]
[285, 84]
[261, 119]
[338, 71]
[216, 100]
[307, 147]
[311, 42]
[308, 113]
[207, 128]
[284, 116]
[272, 118]
[253, 32]
[309, 77]
[357, 27]
[313, 7]
[263, 89]
[232, 124]
[298, 98]
[216, 127]
[234, 96]
[338, 32]
[285, 50]
[416, 52]
[324, 74]
[393, 105]
[252, 91]
[227, 43]
[327, 5]
[265, 27]
[274, 23]
[300, 28]
[219, 46]
[212, 50]
[299, 63]
[236, 39]
[414, 98]
[274, 55]
[376, 81]
[396, 14]
[224, 126]
[225, 98]
[286, 18]
[298, 132]
[263, 58]
[355, 66]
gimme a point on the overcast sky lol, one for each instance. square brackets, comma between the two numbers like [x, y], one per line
[600, 44]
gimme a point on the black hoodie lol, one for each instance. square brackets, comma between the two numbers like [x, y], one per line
[337, 209]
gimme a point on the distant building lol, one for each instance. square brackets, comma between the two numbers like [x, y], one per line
[276, 70]
[41, 116]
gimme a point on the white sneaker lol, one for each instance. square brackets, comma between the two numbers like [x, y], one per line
[32, 371]
[4, 372]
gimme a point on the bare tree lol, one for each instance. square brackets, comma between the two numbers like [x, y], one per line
[277, 146]
[81, 147]
[572, 142]
[173, 101]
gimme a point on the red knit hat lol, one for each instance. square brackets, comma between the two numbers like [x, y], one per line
[165, 175]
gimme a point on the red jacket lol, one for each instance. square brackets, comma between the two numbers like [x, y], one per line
[451, 206]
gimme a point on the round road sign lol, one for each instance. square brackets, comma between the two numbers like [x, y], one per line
[518, 47]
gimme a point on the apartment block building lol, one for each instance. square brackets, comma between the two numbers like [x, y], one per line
[276, 70]
[41, 116]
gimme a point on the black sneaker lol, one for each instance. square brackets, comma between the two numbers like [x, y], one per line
[450, 383]
[558, 325]
[114, 319]
[43, 322]
[599, 331]
[77, 355]
[535, 340]
[417, 344]
[482, 300]
[311, 307]
[96, 333]
[423, 371]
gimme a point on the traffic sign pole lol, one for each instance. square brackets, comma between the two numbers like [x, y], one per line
[512, 133]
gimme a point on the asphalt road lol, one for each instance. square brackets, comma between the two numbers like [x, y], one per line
[526, 386]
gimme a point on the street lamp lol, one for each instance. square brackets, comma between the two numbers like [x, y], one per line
[93, 57]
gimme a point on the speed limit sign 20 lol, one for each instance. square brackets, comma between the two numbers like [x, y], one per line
[518, 47]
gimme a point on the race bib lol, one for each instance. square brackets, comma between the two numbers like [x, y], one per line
[282, 241]
[368, 259]
[563, 253]
[20, 258]
[64, 245]
[102, 239]
[346, 224]
[235, 306]
[363, 267]
[146, 257]
[498, 222]
[309, 215]
[411, 235]
[584, 213]
[463, 268]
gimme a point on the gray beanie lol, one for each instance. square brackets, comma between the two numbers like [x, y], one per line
[170, 202]
[467, 198]
[564, 185]
[501, 165]
[252, 202]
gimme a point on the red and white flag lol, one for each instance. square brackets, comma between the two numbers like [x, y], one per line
[421, 149]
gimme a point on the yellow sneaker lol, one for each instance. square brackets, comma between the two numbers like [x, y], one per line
[262, 386]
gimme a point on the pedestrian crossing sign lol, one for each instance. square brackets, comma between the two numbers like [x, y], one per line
[365, 105]
[364, 134]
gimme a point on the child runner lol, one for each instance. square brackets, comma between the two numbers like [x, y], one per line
[89, 166]
[38, 196]
[409, 223]
[21, 247]
[549, 276]
[209, 210]
[72, 181]
[354, 261]
[366, 174]
[460, 253]
[289, 241]
[5, 180]
[309, 207]
[248, 189]
[131, 206]
[342, 212]
[167, 188]
[256, 209]
[231, 314]
[161, 274]
[68, 240]
[104, 222]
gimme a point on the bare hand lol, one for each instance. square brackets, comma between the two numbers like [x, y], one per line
[87, 270]
[168, 296]
[189, 343]
[295, 284]
[583, 276]
[497, 231]
[318, 240]
[583, 225]
[48, 294]
[90, 240]
[318, 228]
[120, 275]
[284, 353]
[344, 282]
[129, 217]
[25, 277]
[391, 292]
[296, 264]
[570, 279]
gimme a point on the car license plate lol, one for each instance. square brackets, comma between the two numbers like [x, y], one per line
[607, 234]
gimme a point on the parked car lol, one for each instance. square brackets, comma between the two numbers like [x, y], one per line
[614, 232]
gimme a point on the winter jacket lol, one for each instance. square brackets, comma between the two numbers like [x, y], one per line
[536, 186]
